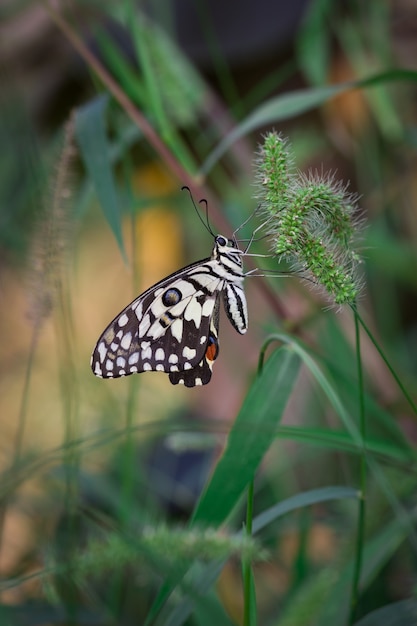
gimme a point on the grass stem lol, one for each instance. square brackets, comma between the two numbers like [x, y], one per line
[247, 568]
[360, 536]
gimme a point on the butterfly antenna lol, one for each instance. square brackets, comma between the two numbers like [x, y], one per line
[247, 220]
[209, 228]
[206, 223]
[253, 238]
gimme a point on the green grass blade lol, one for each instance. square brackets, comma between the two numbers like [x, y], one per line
[402, 613]
[91, 136]
[205, 608]
[341, 440]
[127, 76]
[306, 498]
[314, 42]
[246, 446]
[294, 103]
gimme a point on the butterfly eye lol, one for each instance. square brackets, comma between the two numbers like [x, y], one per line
[171, 297]
[221, 241]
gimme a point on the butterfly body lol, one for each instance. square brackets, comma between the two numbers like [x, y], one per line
[173, 326]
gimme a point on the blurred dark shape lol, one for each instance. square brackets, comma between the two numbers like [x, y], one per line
[176, 475]
[242, 33]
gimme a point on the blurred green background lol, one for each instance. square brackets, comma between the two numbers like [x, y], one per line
[106, 110]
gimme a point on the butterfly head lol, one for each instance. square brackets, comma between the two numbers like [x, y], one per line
[227, 249]
[224, 242]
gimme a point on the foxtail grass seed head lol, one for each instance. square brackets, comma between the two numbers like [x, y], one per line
[314, 224]
[51, 235]
[273, 173]
[160, 543]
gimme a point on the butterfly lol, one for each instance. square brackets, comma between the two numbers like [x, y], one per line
[173, 326]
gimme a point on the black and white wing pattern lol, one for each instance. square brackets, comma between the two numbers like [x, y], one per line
[173, 326]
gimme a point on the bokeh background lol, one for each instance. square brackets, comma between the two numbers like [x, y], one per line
[75, 249]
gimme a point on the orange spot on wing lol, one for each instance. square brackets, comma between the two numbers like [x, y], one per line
[212, 351]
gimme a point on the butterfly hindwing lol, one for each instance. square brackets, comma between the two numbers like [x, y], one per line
[200, 374]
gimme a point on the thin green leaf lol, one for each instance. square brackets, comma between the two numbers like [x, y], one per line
[313, 43]
[307, 498]
[403, 613]
[341, 440]
[127, 76]
[262, 410]
[206, 610]
[91, 134]
[294, 103]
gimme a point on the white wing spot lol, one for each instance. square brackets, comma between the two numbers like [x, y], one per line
[203, 339]
[157, 329]
[206, 280]
[144, 325]
[122, 372]
[138, 309]
[188, 366]
[186, 289]
[102, 350]
[189, 353]
[109, 365]
[97, 370]
[147, 367]
[133, 369]
[120, 361]
[119, 334]
[207, 308]
[114, 346]
[198, 381]
[159, 354]
[173, 358]
[160, 368]
[123, 320]
[173, 368]
[126, 341]
[146, 352]
[134, 358]
[193, 312]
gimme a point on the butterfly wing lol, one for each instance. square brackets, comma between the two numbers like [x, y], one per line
[172, 327]
[201, 373]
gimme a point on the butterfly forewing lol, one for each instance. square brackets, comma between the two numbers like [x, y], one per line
[173, 326]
